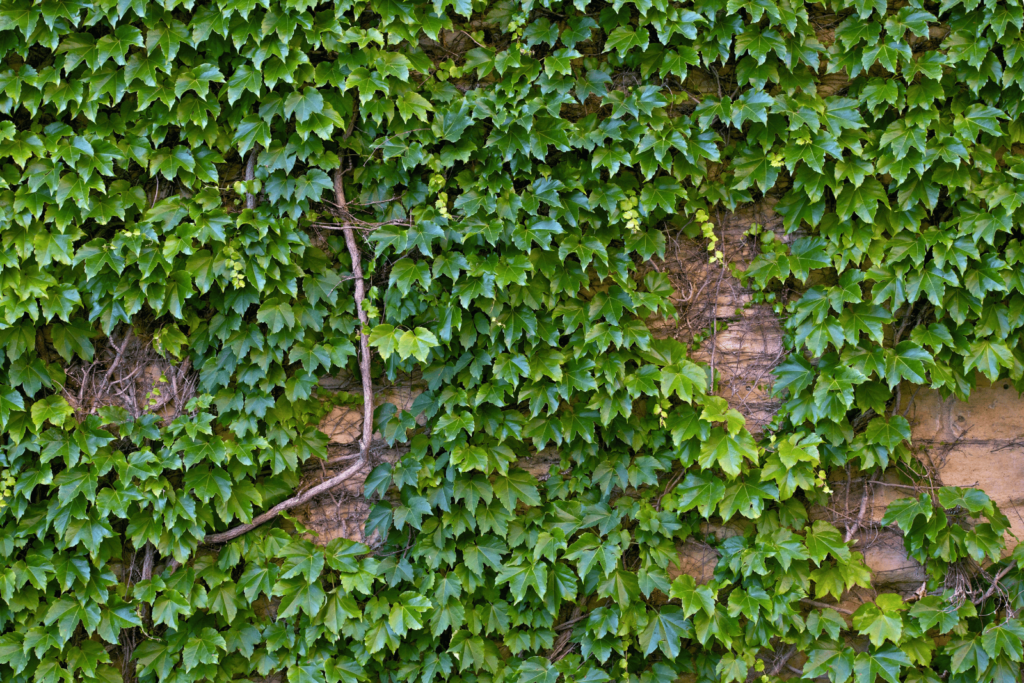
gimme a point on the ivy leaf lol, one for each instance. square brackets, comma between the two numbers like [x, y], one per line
[807, 254]
[906, 361]
[519, 485]
[967, 654]
[862, 201]
[754, 168]
[932, 611]
[989, 356]
[830, 659]
[747, 496]
[625, 38]
[701, 490]
[53, 409]
[622, 587]
[407, 612]
[523, 576]
[693, 598]
[904, 511]
[198, 80]
[885, 661]
[1007, 637]
[822, 540]
[888, 432]
[878, 624]
[303, 104]
[976, 119]
[416, 343]
[727, 451]
[665, 632]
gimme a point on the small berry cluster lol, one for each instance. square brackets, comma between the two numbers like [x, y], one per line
[7, 483]
[235, 265]
[629, 212]
[707, 229]
[515, 27]
[441, 204]
[248, 187]
[661, 411]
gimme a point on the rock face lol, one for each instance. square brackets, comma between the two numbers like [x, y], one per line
[979, 443]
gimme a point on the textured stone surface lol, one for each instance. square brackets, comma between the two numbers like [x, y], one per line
[976, 443]
[743, 340]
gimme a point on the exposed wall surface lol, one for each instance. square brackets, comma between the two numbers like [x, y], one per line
[978, 443]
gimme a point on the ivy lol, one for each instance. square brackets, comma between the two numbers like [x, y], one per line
[212, 212]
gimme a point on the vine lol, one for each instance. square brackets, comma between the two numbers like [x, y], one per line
[209, 210]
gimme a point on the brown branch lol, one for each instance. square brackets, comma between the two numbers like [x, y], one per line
[295, 501]
[364, 322]
[571, 622]
[250, 174]
[918, 487]
[671, 485]
[119, 356]
[995, 583]
[784, 658]
[364, 369]
[825, 605]
[147, 574]
[852, 529]
[147, 563]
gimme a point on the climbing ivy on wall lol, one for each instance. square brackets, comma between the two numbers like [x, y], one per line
[249, 196]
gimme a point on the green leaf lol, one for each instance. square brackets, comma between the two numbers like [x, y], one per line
[933, 611]
[523, 576]
[822, 540]
[665, 631]
[889, 432]
[830, 659]
[878, 624]
[885, 661]
[693, 598]
[625, 38]
[701, 490]
[747, 496]
[727, 451]
[518, 486]
[976, 119]
[406, 613]
[53, 409]
[989, 356]
[1005, 638]
[303, 104]
[416, 343]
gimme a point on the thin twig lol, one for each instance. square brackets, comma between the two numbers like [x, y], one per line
[250, 175]
[295, 501]
[364, 322]
[825, 605]
[783, 660]
[118, 357]
[569, 624]
[852, 529]
[917, 487]
[671, 485]
[467, 34]
[364, 368]
[147, 574]
[995, 583]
